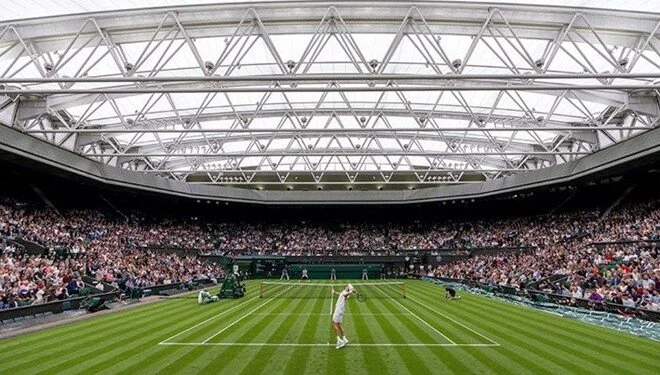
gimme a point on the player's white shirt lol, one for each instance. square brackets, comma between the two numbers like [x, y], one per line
[304, 272]
[341, 302]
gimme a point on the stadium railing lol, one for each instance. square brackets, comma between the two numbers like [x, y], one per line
[546, 280]
[458, 251]
[606, 307]
[54, 307]
[157, 289]
[601, 244]
[161, 288]
[541, 296]
[169, 250]
[11, 241]
[30, 247]
[92, 284]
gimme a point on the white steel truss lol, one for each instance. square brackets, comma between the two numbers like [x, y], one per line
[358, 93]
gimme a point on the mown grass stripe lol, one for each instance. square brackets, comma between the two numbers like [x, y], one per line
[54, 335]
[563, 328]
[125, 353]
[279, 327]
[373, 358]
[248, 322]
[433, 308]
[517, 350]
[94, 348]
[70, 344]
[157, 358]
[442, 364]
[524, 345]
[458, 357]
[540, 338]
[162, 356]
[299, 361]
[210, 326]
[593, 352]
[531, 341]
[415, 325]
[147, 360]
[413, 363]
[602, 334]
[251, 328]
[454, 332]
[46, 337]
[132, 345]
[136, 350]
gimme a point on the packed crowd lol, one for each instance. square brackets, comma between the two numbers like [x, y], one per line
[116, 251]
[84, 244]
[627, 273]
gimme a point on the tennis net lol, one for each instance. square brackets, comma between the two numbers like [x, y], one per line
[274, 289]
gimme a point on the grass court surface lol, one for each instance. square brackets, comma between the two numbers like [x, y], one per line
[289, 332]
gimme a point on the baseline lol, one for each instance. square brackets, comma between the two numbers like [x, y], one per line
[319, 344]
[323, 314]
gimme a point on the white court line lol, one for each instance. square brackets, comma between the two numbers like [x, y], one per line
[323, 314]
[453, 320]
[341, 285]
[247, 314]
[422, 320]
[315, 344]
[209, 319]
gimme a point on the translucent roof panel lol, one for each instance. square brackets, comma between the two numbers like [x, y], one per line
[279, 93]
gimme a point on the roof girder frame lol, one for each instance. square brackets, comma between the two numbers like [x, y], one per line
[332, 25]
[26, 48]
[474, 120]
[421, 121]
[354, 115]
[314, 165]
[487, 22]
[410, 26]
[246, 29]
[500, 52]
[163, 124]
[65, 100]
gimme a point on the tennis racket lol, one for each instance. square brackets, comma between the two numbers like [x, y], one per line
[361, 297]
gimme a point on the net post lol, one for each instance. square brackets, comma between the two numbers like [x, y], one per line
[405, 289]
[261, 289]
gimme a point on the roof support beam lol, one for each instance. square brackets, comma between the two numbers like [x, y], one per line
[304, 89]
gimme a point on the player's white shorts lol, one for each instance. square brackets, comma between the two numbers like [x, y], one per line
[338, 316]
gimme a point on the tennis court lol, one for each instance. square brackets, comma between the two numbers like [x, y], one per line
[287, 330]
[388, 317]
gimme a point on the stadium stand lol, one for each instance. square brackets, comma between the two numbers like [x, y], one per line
[613, 259]
[614, 262]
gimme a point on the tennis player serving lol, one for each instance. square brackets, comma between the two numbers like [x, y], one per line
[338, 315]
